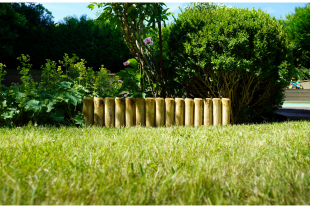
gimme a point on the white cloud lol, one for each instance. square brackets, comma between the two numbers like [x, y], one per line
[269, 10]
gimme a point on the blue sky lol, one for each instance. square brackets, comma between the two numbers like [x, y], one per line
[61, 10]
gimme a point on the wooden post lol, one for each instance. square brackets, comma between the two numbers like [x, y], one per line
[169, 111]
[208, 111]
[160, 112]
[109, 112]
[198, 111]
[98, 111]
[119, 112]
[226, 105]
[217, 111]
[189, 112]
[179, 111]
[88, 110]
[130, 112]
[140, 111]
[149, 112]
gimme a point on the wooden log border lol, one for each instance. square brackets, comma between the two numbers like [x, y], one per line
[156, 112]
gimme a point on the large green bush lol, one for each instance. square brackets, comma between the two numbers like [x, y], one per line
[236, 53]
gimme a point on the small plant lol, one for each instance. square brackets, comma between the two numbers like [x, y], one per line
[131, 79]
[57, 99]
[2, 73]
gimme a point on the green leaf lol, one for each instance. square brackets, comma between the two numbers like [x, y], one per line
[72, 99]
[91, 6]
[50, 106]
[131, 8]
[65, 85]
[34, 105]
[79, 120]
[143, 95]
[10, 113]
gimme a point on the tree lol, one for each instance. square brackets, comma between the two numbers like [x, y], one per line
[23, 30]
[34, 39]
[81, 36]
[10, 23]
[29, 29]
[297, 26]
[131, 19]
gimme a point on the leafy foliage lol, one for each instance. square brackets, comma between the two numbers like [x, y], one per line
[32, 37]
[172, 87]
[98, 45]
[297, 26]
[130, 79]
[28, 28]
[236, 53]
[57, 99]
[134, 21]
[11, 22]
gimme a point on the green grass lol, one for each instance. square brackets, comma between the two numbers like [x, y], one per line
[243, 164]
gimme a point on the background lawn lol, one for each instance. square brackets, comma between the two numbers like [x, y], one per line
[242, 164]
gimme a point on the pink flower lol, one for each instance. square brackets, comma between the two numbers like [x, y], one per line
[120, 81]
[151, 43]
[147, 40]
[126, 63]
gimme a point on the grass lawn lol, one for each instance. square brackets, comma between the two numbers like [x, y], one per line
[242, 164]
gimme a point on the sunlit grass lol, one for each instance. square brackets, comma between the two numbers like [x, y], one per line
[243, 164]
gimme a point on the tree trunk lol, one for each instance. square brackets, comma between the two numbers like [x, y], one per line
[163, 90]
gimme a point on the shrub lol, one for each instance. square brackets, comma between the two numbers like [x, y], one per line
[58, 98]
[236, 53]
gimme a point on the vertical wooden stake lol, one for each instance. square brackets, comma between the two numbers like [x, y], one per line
[98, 111]
[169, 111]
[198, 111]
[226, 105]
[217, 111]
[119, 112]
[130, 112]
[179, 111]
[88, 110]
[208, 111]
[160, 112]
[149, 112]
[189, 112]
[140, 111]
[109, 112]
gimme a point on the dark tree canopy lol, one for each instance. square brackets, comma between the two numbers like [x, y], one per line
[10, 23]
[28, 28]
[97, 45]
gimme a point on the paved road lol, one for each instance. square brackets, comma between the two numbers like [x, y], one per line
[295, 113]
